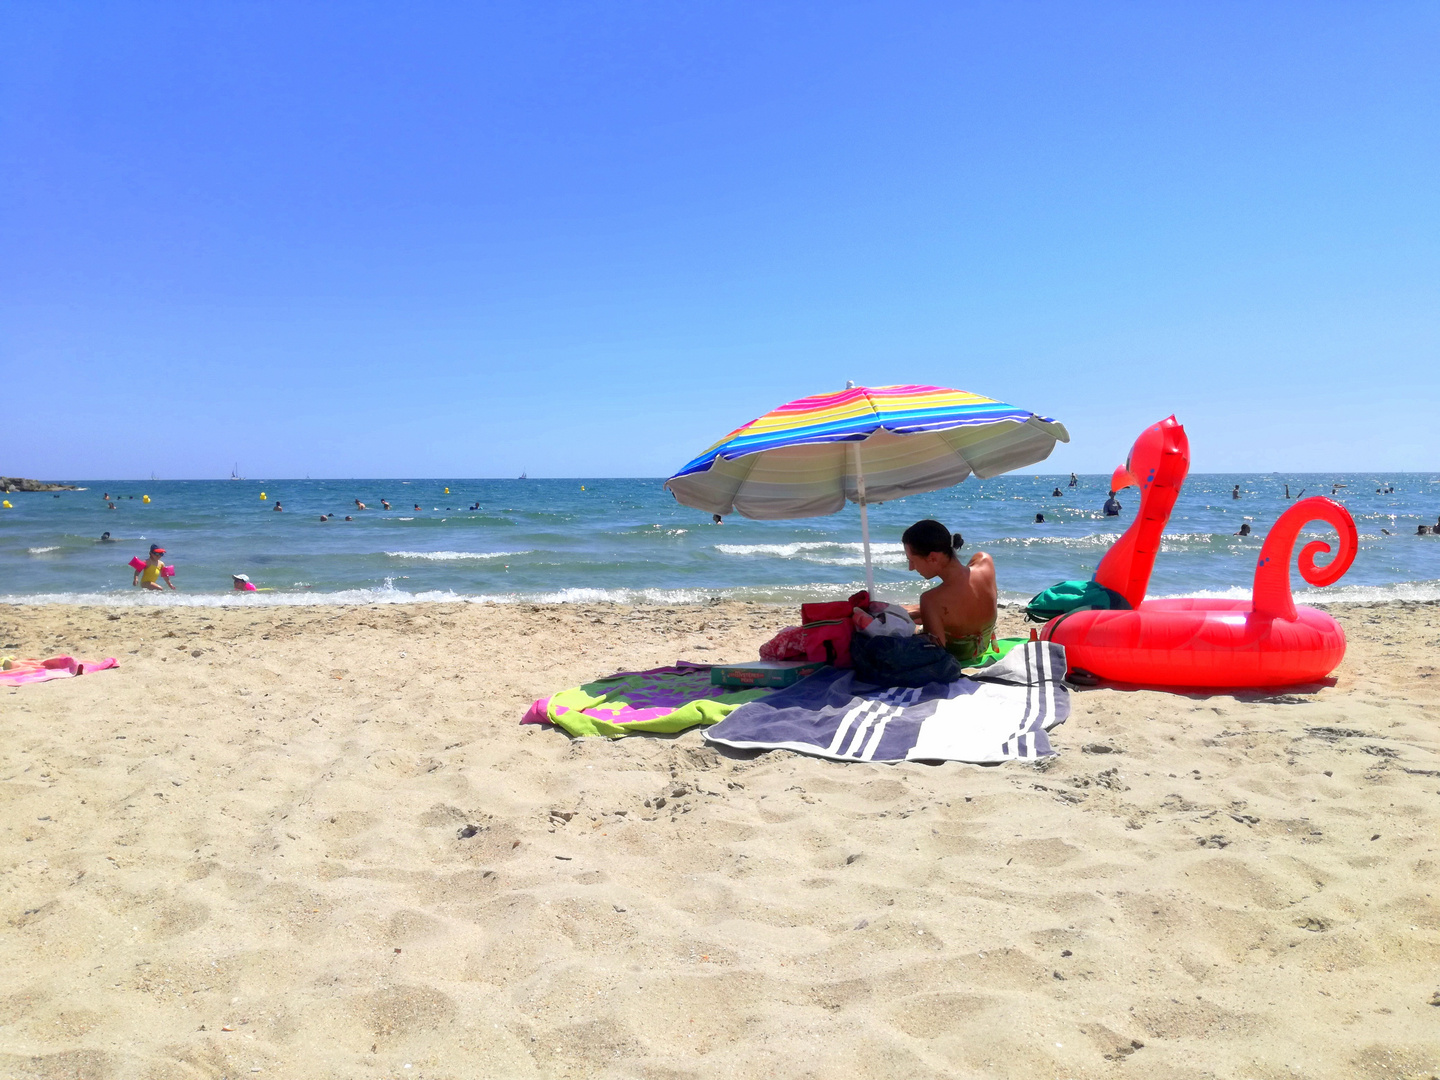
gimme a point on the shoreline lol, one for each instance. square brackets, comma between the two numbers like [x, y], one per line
[318, 841]
[1335, 596]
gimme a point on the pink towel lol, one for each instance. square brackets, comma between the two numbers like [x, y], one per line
[538, 713]
[57, 667]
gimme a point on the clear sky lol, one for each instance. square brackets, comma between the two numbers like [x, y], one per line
[588, 239]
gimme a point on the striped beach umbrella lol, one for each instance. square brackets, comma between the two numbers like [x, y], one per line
[862, 445]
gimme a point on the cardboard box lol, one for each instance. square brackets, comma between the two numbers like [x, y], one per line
[763, 672]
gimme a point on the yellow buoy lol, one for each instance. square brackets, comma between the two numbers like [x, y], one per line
[144, 498]
[582, 487]
[447, 491]
[262, 495]
[7, 505]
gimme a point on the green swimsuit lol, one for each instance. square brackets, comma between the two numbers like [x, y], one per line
[968, 648]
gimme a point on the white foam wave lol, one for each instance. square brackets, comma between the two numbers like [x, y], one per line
[42, 550]
[620, 596]
[1094, 540]
[789, 551]
[788, 595]
[823, 553]
[342, 598]
[1412, 591]
[452, 556]
[1234, 592]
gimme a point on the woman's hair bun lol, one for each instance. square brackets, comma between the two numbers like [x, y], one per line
[929, 536]
[958, 541]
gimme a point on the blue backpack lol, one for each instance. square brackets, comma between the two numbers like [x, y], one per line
[902, 661]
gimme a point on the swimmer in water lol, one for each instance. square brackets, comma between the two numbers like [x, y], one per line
[278, 508]
[241, 583]
[1244, 529]
[384, 505]
[417, 506]
[150, 576]
[106, 538]
[360, 506]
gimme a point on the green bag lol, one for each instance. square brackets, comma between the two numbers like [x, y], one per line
[1070, 596]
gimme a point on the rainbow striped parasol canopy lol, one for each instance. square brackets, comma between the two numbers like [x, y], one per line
[861, 445]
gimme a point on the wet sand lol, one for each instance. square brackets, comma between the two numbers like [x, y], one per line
[315, 842]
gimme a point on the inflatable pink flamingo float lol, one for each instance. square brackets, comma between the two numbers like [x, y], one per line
[1262, 642]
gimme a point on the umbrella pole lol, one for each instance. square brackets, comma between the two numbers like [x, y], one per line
[864, 517]
[865, 538]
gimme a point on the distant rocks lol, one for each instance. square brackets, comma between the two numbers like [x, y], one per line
[17, 483]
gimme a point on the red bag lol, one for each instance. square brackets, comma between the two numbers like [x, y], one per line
[828, 627]
[828, 642]
[834, 609]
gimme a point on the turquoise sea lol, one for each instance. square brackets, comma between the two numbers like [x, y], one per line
[627, 540]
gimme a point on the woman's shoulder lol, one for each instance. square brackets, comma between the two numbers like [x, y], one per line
[981, 558]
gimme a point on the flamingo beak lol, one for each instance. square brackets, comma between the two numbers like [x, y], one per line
[1123, 478]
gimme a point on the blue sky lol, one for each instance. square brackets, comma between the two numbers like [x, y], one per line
[588, 239]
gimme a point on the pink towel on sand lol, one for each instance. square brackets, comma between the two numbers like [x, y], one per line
[57, 667]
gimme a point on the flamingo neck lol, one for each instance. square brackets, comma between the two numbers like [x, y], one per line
[1127, 566]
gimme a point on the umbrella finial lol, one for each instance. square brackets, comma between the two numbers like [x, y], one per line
[849, 384]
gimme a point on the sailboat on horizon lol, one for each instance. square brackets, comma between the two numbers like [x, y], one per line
[524, 475]
[235, 472]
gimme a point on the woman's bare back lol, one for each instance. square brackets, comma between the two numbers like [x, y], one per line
[964, 603]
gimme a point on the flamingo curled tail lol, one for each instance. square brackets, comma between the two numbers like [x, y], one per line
[1271, 594]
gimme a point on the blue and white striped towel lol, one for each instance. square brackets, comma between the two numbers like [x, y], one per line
[1001, 715]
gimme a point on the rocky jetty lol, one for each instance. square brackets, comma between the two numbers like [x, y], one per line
[17, 483]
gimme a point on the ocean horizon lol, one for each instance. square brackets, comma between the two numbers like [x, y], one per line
[626, 540]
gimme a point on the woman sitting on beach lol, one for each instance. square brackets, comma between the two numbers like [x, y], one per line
[959, 613]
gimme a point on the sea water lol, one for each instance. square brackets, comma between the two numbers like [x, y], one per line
[627, 540]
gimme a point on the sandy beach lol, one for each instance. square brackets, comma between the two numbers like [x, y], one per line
[316, 842]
